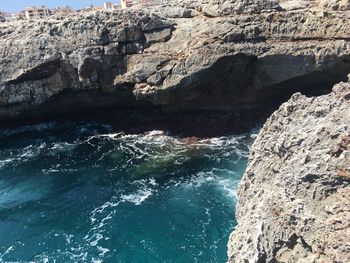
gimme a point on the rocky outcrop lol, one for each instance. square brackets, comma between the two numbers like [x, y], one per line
[294, 198]
[236, 56]
[316, 5]
[78, 55]
[179, 56]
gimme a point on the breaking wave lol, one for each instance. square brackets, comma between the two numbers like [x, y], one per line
[84, 194]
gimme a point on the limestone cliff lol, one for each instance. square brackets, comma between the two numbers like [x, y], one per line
[235, 56]
[294, 198]
[211, 55]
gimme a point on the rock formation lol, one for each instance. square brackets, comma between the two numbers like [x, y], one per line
[236, 56]
[181, 56]
[294, 198]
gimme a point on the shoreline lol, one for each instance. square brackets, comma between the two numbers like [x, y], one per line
[200, 125]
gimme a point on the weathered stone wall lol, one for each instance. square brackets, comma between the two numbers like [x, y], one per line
[175, 55]
[294, 197]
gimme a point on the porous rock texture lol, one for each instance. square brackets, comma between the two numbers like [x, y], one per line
[179, 56]
[294, 201]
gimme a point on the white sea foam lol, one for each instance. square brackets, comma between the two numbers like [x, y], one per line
[7, 251]
[146, 188]
[102, 215]
[223, 180]
[5, 162]
[145, 148]
[229, 187]
[199, 179]
[146, 151]
[28, 153]
[95, 238]
[102, 251]
[99, 218]
[31, 151]
[137, 198]
[62, 147]
[205, 223]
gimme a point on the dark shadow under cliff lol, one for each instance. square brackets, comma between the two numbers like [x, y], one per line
[227, 97]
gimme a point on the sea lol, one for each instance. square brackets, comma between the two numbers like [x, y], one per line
[79, 192]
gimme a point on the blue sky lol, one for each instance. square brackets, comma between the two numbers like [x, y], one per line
[18, 5]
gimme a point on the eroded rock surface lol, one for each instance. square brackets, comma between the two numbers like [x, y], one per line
[294, 201]
[211, 55]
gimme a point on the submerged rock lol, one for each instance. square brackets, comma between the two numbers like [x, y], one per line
[294, 198]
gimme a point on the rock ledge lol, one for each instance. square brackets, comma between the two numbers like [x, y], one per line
[180, 56]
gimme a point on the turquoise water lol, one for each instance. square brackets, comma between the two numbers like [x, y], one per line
[79, 193]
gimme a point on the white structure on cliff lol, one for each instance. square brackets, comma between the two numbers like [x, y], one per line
[109, 6]
[36, 12]
[144, 2]
[127, 3]
[63, 11]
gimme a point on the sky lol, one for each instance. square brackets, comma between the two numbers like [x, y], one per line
[18, 5]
